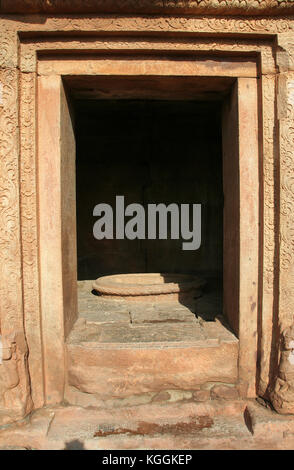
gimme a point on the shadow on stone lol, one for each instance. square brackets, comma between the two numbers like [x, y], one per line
[74, 445]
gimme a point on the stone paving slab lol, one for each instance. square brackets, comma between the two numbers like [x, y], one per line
[162, 313]
[103, 316]
[167, 332]
[217, 330]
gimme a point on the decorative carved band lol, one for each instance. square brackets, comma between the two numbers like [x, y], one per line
[14, 382]
[282, 395]
[227, 7]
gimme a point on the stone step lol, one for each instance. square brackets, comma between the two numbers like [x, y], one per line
[122, 360]
[217, 424]
[149, 426]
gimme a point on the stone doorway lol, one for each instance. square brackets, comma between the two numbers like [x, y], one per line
[127, 355]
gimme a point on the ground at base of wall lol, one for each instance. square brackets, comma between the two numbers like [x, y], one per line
[211, 425]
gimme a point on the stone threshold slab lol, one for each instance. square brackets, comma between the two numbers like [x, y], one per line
[200, 334]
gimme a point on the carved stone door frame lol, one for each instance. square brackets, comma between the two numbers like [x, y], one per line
[25, 42]
[56, 200]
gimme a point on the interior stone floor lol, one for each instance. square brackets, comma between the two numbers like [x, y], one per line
[117, 321]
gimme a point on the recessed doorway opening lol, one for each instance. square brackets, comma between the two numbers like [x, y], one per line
[151, 152]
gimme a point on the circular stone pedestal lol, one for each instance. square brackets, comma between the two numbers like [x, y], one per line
[149, 286]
